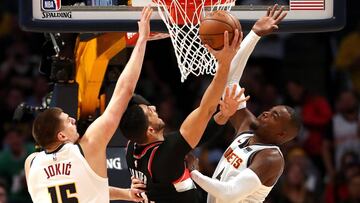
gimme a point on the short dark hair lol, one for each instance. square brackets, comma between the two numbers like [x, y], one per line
[134, 124]
[46, 126]
[138, 99]
[295, 120]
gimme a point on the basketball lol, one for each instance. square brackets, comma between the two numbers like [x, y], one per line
[213, 26]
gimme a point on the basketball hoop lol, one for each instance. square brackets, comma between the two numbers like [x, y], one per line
[182, 19]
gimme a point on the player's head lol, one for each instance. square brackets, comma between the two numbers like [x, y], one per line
[53, 127]
[140, 122]
[278, 125]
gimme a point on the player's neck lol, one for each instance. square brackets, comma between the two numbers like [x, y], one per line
[53, 147]
[156, 137]
[256, 140]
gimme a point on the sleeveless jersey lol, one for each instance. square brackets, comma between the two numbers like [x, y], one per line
[139, 160]
[237, 158]
[65, 176]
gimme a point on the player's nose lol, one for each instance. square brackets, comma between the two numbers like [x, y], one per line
[73, 121]
[153, 108]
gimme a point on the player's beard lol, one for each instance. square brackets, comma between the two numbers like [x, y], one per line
[159, 126]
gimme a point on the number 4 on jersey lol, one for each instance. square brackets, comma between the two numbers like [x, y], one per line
[219, 175]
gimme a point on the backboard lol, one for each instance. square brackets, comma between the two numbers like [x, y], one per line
[111, 16]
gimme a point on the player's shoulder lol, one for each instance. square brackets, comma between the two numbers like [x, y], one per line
[31, 157]
[29, 160]
[270, 157]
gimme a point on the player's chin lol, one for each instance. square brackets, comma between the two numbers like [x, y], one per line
[254, 125]
[162, 124]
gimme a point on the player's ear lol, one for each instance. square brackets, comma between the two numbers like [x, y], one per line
[150, 130]
[61, 136]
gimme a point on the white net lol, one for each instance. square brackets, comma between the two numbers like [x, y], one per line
[182, 19]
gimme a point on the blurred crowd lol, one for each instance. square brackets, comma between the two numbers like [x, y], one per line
[317, 73]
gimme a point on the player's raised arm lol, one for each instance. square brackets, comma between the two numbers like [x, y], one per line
[263, 26]
[100, 132]
[194, 125]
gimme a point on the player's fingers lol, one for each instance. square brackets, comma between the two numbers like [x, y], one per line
[273, 10]
[136, 181]
[236, 39]
[275, 27]
[211, 50]
[138, 186]
[149, 13]
[242, 90]
[226, 39]
[227, 90]
[222, 105]
[143, 11]
[138, 199]
[278, 13]
[233, 91]
[137, 191]
[240, 39]
[280, 18]
[244, 100]
[268, 11]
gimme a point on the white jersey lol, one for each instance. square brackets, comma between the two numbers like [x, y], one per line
[65, 176]
[235, 160]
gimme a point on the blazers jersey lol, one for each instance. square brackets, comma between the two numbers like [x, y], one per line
[149, 162]
[237, 158]
[65, 176]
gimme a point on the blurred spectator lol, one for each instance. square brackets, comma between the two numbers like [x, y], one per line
[337, 190]
[269, 97]
[344, 134]
[316, 114]
[354, 189]
[168, 112]
[3, 192]
[13, 98]
[40, 90]
[12, 160]
[348, 57]
[296, 181]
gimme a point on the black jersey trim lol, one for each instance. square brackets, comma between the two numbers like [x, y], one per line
[241, 133]
[32, 160]
[56, 150]
[145, 150]
[262, 144]
[81, 150]
[250, 159]
[245, 143]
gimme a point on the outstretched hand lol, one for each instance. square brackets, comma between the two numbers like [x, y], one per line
[144, 23]
[231, 101]
[227, 53]
[137, 187]
[267, 24]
